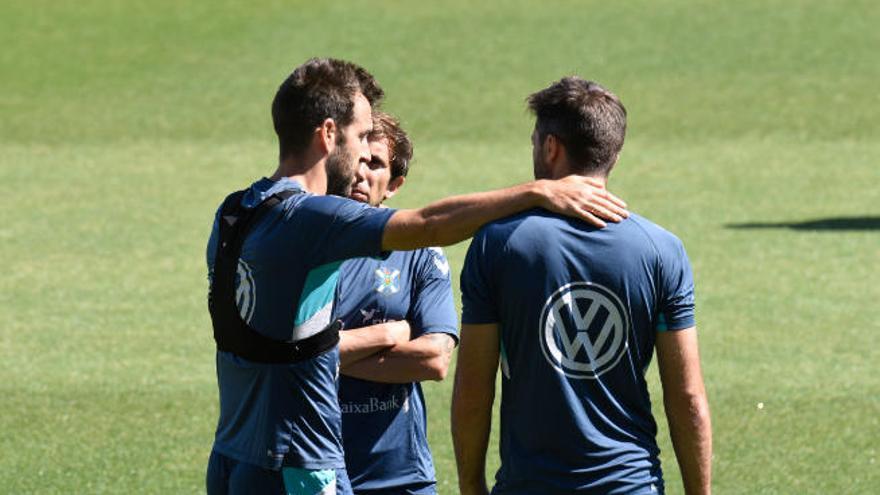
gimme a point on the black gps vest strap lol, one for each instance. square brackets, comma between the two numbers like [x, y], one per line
[231, 332]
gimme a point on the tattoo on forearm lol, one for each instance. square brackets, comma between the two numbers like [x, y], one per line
[445, 342]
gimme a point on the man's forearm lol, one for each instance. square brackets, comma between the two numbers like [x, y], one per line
[425, 358]
[471, 424]
[454, 219]
[472, 398]
[691, 432]
[687, 408]
[360, 343]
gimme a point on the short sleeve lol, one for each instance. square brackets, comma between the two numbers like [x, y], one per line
[677, 294]
[340, 228]
[432, 309]
[478, 301]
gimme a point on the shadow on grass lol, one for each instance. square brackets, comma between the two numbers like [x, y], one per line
[820, 224]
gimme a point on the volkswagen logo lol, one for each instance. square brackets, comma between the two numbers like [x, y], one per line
[584, 330]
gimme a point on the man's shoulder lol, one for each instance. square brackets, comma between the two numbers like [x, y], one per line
[262, 188]
[302, 200]
[431, 257]
[538, 226]
[420, 254]
[659, 236]
[529, 219]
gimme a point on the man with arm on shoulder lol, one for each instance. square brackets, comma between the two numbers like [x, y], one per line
[273, 261]
[574, 314]
[383, 408]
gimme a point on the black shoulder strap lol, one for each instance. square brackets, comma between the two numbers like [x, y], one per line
[231, 332]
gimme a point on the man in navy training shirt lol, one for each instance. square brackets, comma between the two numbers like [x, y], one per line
[574, 314]
[383, 409]
[279, 425]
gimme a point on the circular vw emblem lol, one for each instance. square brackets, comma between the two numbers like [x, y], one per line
[584, 329]
[245, 292]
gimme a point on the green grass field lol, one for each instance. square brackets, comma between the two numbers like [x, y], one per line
[123, 126]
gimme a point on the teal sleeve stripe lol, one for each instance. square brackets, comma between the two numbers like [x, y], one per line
[680, 324]
[318, 291]
[661, 323]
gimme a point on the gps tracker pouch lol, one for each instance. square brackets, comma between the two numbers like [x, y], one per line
[231, 332]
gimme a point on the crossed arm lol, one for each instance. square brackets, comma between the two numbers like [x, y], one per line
[359, 343]
[369, 353]
[687, 408]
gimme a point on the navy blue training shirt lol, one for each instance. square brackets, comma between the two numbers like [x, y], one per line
[287, 414]
[383, 424]
[578, 310]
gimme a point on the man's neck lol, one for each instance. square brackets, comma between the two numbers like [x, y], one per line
[603, 180]
[310, 173]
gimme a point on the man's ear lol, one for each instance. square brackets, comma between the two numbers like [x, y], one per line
[395, 184]
[326, 134]
[551, 148]
[553, 154]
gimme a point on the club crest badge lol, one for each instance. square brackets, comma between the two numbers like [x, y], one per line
[389, 281]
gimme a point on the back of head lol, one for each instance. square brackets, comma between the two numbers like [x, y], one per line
[400, 147]
[589, 120]
[319, 89]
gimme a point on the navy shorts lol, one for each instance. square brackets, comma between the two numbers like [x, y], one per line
[415, 489]
[227, 476]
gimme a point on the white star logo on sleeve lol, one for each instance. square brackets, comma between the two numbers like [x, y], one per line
[439, 260]
[442, 265]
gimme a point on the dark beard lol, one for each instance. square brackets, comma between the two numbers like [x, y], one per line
[340, 174]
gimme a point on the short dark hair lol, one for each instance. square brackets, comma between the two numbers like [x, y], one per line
[589, 120]
[320, 88]
[399, 146]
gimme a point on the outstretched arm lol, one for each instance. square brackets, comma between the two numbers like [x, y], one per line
[454, 219]
[472, 398]
[424, 358]
[687, 408]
